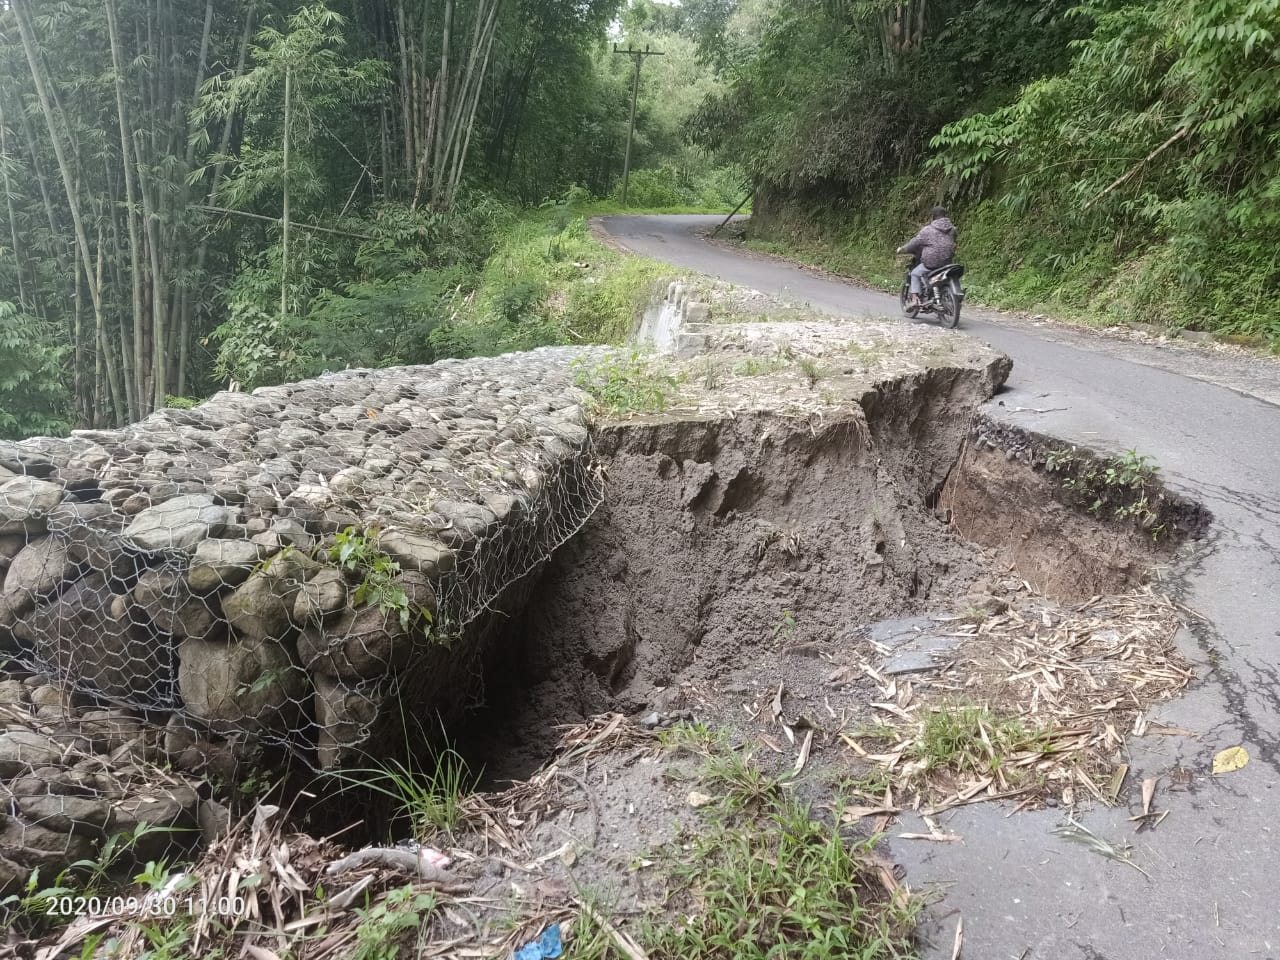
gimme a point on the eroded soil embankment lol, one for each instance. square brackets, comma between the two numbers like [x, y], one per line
[726, 539]
[1074, 524]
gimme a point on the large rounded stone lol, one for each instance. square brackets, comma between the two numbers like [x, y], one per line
[11, 545]
[246, 685]
[89, 637]
[258, 612]
[219, 563]
[25, 502]
[321, 597]
[170, 810]
[165, 598]
[345, 716]
[88, 816]
[32, 847]
[417, 551]
[360, 644]
[22, 750]
[178, 524]
[37, 572]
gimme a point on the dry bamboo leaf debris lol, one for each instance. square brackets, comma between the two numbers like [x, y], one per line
[278, 880]
[1076, 832]
[1064, 685]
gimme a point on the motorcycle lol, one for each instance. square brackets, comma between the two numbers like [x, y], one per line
[942, 295]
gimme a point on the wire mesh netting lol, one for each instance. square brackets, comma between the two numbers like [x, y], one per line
[290, 565]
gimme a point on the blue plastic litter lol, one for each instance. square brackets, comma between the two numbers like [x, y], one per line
[546, 948]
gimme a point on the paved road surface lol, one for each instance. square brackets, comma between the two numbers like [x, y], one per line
[1213, 425]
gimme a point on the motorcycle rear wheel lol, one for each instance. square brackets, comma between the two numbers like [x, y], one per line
[949, 307]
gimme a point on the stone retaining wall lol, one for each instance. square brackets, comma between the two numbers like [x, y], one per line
[276, 564]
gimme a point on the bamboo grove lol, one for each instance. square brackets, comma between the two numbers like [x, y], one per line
[161, 159]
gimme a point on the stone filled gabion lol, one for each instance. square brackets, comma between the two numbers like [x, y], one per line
[189, 563]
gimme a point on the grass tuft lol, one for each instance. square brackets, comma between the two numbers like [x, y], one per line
[969, 740]
[784, 886]
[431, 799]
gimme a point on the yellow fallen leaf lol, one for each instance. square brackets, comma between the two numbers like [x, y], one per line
[1231, 759]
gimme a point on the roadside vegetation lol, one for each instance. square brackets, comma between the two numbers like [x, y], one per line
[1120, 167]
[247, 193]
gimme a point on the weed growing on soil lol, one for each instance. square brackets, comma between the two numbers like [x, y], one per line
[695, 738]
[786, 627]
[742, 784]
[712, 374]
[386, 925]
[431, 799]
[1124, 486]
[967, 739]
[758, 366]
[629, 384]
[812, 370]
[867, 354]
[781, 885]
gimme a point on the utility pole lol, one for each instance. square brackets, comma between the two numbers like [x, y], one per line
[637, 57]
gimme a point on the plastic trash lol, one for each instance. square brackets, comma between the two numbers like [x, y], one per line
[545, 947]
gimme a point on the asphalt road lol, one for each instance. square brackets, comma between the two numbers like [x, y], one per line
[1213, 425]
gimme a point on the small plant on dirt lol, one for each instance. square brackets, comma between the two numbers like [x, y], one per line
[741, 782]
[1130, 469]
[630, 384]
[430, 798]
[872, 782]
[758, 366]
[1059, 460]
[866, 353]
[695, 737]
[784, 885]
[358, 553]
[385, 925]
[786, 627]
[877, 730]
[967, 739]
[712, 374]
[812, 370]
[1124, 486]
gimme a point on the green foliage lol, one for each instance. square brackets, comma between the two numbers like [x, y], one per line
[29, 911]
[695, 737]
[758, 366]
[548, 281]
[358, 553]
[1158, 143]
[1121, 167]
[781, 884]
[969, 740]
[384, 926]
[786, 627]
[1123, 487]
[33, 396]
[634, 383]
[376, 299]
[830, 106]
[812, 370]
[430, 798]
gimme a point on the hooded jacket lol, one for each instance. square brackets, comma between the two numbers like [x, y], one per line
[935, 244]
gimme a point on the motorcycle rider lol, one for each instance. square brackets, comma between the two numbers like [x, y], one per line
[933, 247]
